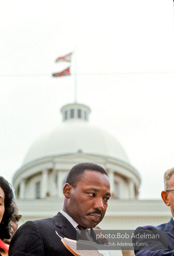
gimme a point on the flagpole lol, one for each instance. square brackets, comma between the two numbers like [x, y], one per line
[75, 78]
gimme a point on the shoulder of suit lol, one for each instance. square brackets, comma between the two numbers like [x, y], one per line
[43, 223]
[164, 226]
[34, 223]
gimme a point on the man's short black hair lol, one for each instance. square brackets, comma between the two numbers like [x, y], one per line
[77, 171]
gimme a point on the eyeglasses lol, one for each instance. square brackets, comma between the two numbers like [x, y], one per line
[170, 189]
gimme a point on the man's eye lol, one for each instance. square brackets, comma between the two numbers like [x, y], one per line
[106, 199]
[92, 194]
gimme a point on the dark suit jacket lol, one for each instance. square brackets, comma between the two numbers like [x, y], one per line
[39, 237]
[156, 246]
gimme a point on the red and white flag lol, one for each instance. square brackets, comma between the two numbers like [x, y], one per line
[65, 72]
[66, 58]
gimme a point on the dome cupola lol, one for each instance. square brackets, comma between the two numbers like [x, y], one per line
[75, 111]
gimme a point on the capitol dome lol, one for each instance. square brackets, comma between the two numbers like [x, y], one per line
[74, 137]
[75, 140]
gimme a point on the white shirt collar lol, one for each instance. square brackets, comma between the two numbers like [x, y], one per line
[66, 215]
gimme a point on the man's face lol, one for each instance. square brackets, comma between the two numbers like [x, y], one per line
[87, 202]
[168, 197]
[14, 226]
[2, 204]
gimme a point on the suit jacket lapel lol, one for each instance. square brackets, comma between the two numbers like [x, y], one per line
[65, 229]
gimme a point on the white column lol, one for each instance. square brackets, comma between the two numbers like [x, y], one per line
[22, 190]
[57, 182]
[111, 180]
[60, 178]
[53, 188]
[131, 190]
[44, 182]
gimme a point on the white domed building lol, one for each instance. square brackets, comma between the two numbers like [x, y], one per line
[45, 167]
[39, 181]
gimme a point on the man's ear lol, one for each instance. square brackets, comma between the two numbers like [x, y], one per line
[67, 190]
[164, 195]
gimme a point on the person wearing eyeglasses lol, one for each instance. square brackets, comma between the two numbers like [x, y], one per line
[151, 240]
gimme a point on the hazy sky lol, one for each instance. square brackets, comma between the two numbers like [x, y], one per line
[124, 62]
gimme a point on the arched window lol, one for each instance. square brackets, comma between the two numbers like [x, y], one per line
[79, 113]
[71, 113]
[37, 190]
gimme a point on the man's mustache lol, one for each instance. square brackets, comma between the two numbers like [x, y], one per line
[95, 212]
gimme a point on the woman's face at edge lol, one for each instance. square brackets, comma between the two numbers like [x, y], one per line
[2, 203]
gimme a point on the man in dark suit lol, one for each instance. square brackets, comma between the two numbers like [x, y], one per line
[87, 191]
[151, 240]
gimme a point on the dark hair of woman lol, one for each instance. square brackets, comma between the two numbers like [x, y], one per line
[9, 209]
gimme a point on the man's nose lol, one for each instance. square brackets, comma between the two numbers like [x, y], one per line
[99, 204]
